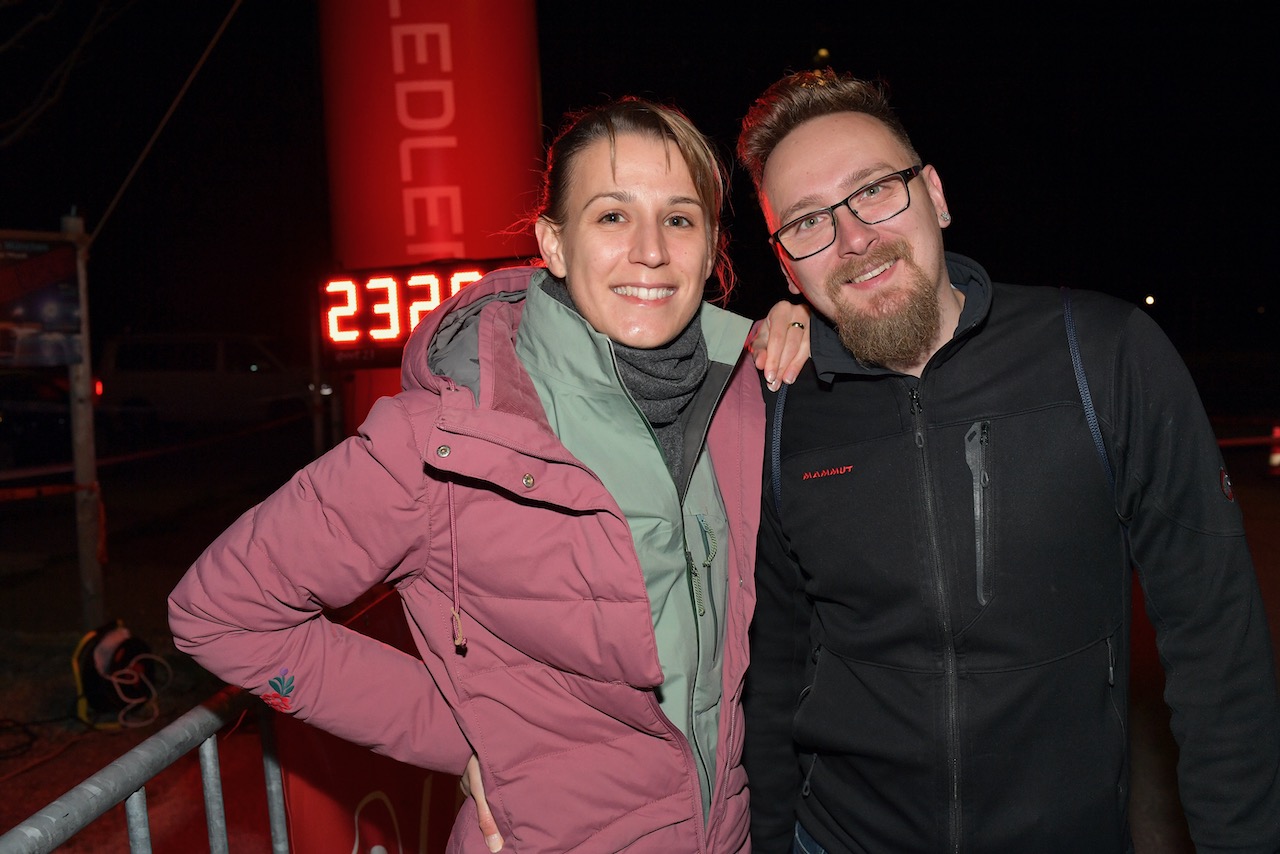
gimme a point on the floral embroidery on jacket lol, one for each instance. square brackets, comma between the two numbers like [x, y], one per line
[279, 698]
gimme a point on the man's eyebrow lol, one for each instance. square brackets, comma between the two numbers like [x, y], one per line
[851, 182]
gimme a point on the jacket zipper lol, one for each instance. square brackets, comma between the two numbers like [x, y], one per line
[805, 788]
[976, 441]
[695, 589]
[695, 584]
[950, 678]
[701, 601]
[698, 600]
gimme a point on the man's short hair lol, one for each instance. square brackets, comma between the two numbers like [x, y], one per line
[805, 95]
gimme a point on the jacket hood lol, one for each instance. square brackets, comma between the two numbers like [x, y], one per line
[445, 343]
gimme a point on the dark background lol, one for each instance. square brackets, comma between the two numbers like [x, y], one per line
[1125, 152]
[1115, 150]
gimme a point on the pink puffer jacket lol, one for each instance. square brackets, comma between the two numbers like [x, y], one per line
[471, 510]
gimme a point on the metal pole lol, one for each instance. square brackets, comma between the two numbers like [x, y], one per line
[275, 782]
[214, 812]
[69, 814]
[316, 401]
[138, 823]
[80, 375]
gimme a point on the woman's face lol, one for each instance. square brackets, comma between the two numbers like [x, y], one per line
[634, 248]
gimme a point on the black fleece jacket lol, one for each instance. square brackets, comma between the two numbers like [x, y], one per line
[940, 649]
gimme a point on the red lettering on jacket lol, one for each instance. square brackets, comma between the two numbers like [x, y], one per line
[810, 475]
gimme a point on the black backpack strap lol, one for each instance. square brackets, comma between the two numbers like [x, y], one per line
[1083, 384]
[775, 448]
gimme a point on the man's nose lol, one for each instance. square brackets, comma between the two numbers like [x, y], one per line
[853, 236]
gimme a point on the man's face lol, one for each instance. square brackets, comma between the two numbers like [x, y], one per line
[635, 247]
[879, 284]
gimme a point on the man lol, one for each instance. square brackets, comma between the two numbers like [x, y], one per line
[940, 648]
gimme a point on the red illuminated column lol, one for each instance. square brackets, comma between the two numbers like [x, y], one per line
[433, 131]
[432, 115]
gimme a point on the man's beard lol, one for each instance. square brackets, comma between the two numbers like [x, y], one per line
[897, 327]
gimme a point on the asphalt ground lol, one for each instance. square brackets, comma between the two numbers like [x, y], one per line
[161, 507]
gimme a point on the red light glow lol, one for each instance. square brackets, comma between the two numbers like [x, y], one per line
[379, 309]
[388, 308]
[337, 313]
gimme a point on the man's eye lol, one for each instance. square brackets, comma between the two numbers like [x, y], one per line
[871, 192]
[814, 220]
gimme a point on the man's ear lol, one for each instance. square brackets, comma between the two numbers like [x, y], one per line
[786, 274]
[551, 247]
[933, 184]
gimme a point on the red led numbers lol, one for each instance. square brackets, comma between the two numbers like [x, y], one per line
[379, 310]
[338, 327]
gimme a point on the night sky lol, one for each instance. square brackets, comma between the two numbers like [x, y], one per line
[1111, 151]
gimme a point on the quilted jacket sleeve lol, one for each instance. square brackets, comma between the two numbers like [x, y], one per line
[250, 610]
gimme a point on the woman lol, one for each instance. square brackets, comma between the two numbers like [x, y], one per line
[566, 496]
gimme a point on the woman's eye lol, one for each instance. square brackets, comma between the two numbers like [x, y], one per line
[679, 220]
[611, 216]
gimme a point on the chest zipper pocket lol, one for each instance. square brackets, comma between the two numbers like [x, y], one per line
[700, 577]
[977, 442]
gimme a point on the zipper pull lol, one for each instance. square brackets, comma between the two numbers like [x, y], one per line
[709, 544]
[695, 584]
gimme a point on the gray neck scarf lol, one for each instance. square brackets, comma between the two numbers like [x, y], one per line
[662, 381]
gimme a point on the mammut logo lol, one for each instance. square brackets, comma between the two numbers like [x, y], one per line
[810, 475]
[1224, 483]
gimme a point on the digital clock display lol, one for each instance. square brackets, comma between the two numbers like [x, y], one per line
[366, 317]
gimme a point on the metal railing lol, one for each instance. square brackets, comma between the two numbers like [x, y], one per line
[125, 780]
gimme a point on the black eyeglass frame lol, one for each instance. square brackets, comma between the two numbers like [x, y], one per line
[905, 174]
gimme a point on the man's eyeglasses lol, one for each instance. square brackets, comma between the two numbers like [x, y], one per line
[882, 199]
